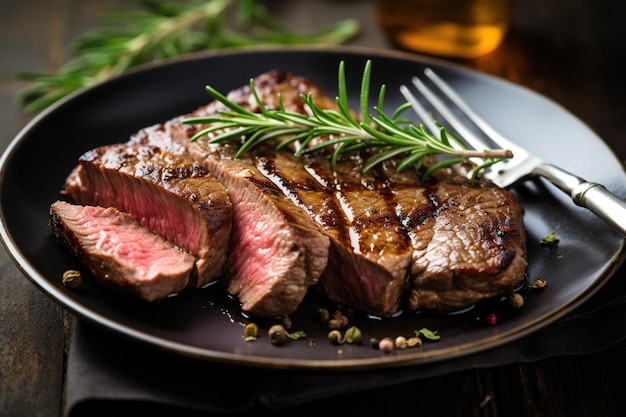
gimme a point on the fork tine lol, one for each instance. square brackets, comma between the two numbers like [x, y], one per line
[421, 112]
[469, 136]
[457, 100]
[427, 119]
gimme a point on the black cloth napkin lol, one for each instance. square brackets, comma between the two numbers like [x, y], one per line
[109, 374]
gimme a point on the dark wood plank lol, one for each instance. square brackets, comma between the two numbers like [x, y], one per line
[33, 329]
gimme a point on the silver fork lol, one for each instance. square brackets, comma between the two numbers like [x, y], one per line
[510, 172]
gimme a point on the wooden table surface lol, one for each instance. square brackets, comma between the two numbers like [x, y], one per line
[571, 52]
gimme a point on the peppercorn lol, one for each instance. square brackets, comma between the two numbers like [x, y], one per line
[334, 324]
[385, 345]
[277, 334]
[250, 332]
[515, 300]
[374, 342]
[400, 342]
[341, 318]
[491, 319]
[323, 315]
[286, 321]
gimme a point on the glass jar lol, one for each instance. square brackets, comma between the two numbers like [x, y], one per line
[450, 28]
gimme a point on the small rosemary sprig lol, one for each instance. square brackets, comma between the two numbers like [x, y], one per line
[166, 29]
[340, 129]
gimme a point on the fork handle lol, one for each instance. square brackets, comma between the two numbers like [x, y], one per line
[593, 196]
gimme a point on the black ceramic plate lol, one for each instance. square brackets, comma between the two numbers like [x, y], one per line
[208, 325]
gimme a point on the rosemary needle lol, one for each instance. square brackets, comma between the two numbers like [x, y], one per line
[339, 129]
[166, 29]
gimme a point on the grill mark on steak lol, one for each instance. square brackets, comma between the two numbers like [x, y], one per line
[168, 193]
[378, 248]
[468, 239]
[369, 250]
[277, 252]
[121, 254]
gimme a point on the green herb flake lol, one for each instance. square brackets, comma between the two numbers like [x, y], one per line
[549, 240]
[297, 335]
[428, 334]
[353, 335]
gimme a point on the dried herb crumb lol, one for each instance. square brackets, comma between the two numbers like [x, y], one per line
[428, 334]
[538, 284]
[72, 278]
[549, 240]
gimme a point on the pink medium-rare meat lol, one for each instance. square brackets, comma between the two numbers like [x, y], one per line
[122, 254]
[276, 250]
[168, 193]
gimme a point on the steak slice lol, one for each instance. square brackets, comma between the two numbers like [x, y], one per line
[121, 253]
[469, 239]
[276, 252]
[370, 250]
[168, 193]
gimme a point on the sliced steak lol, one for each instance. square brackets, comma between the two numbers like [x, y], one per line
[395, 242]
[469, 239]
[168, 193]
[121, 253]
[370, 251]
[276, 250]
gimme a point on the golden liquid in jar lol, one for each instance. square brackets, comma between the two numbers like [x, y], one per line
[452, 28]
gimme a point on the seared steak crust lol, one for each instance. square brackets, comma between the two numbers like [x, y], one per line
[468, 238]
[168, 193]
[276, 251]
[122, 254]
[370, 251]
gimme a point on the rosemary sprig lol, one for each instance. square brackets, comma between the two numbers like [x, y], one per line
[340, 130]
[166, 29]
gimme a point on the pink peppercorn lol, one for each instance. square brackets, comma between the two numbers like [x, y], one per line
[491, 319]
[385, 345]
